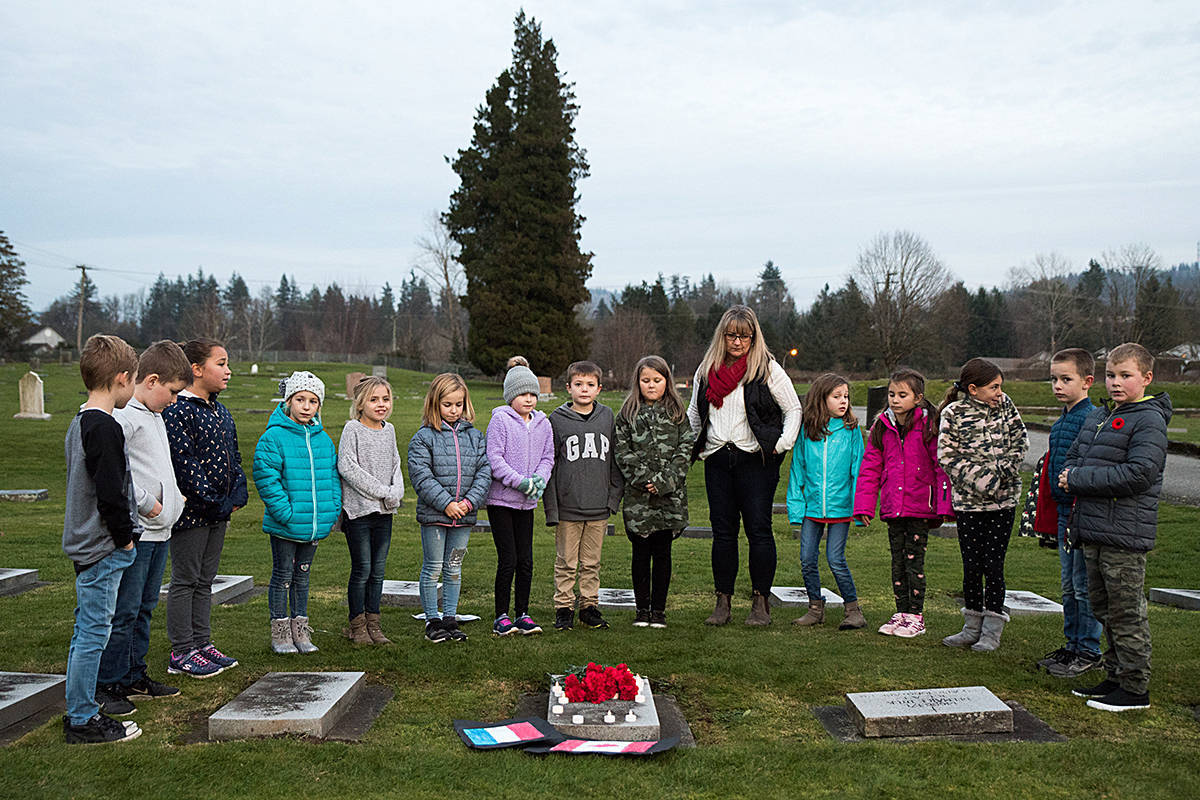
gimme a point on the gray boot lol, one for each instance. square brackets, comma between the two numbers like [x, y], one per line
[989, 637]
[815, 615]
[969, 635]
[281, 636]
[853, 618]
[302, 635]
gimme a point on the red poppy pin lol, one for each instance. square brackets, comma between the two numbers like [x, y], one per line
[1118, 423]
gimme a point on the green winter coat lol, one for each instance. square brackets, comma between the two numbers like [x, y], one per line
[654, 449]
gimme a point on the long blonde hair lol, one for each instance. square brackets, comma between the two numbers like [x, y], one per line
[439, 387]
[363, 389]
[743, 319]
[671, 401]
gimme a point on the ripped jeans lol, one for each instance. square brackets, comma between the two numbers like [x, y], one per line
[290, 563]
[443, 549]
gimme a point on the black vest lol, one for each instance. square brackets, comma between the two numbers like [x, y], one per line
[762, 413]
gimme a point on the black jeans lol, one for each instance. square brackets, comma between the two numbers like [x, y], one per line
[651, 569]
[512, 530]
[741, 488]
[983, 541]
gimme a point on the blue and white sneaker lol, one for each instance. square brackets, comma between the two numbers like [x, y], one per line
[214, 655]
[192, 664]
[526, 625]
[503, 626]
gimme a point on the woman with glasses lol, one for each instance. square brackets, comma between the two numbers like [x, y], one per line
[745, 413]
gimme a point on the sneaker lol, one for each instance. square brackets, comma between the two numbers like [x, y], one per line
[564, 619]
[642, 620]
[1101, 689]
[913, 625]
[526, 625]
[192, 664]
[100, 730]
[889, 628]
[1060, 656]
[1120, 700]
[658, 619]
[112, 701]
[450, 626]
[1078, 664]
[503, 626]
[434, 632]
[591, 617]
[214, 655]
[149, 689]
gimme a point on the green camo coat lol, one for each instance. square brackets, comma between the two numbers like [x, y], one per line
[981, 449]
[654, 449]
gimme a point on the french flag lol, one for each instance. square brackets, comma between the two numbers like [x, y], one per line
[503, 734]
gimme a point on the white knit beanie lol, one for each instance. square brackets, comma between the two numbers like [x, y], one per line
[302, 382]
[520, 380]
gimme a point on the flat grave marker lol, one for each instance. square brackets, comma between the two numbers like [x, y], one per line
[404, 593]
[24, 495]
[929, 712]
[698, 532]
[23, 694]
[224, 588]
[643, 728]
[13, 581]
[1029, 603]
[1180, 598]
[308, 703]
[798, 596]
[617, 598]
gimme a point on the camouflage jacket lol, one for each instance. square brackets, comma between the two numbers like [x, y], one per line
[981, 449]
[654, 449]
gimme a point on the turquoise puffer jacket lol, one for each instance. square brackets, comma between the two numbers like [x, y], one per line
[295, 472]
[824, 473]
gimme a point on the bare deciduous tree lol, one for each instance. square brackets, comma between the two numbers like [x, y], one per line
[437, 259]
[900, 277]
[620, 340]
[1129, 267]
[260, 322]
[1042, 285]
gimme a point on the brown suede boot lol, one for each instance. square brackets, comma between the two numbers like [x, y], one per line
[760, 611]
[815, 615]
[375, 630]
[853, 620]
[357, 632]
[722, 613]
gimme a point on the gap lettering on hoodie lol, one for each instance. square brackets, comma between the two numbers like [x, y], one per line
[589, 449]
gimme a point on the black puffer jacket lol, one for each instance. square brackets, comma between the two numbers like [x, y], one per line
[1116, 467]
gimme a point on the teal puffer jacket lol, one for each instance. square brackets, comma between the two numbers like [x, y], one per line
[295, 472]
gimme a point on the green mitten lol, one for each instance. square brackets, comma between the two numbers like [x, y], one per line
[526, 486]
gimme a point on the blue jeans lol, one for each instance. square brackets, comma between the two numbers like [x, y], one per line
[443, 549]
[368, 538]
[1079, 623]
[290, 563]
[124, 659]
[95, 598]
[835, 554]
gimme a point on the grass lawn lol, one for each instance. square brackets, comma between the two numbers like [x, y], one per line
[747, 693]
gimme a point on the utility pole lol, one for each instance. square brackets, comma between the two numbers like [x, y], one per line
[79, 321]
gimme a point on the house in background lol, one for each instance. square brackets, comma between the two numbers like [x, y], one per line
[44, 340]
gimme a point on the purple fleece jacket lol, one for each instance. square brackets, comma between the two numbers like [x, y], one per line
[516, 452]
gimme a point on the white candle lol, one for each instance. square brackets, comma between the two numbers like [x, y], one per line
[577, 719]
[639, 698]
[610, 718]
[631, 717]
[557, 709]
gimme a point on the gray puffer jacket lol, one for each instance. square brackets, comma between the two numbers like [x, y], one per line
[1116, 467]
[445, 466]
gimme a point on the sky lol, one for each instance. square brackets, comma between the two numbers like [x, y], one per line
[310, 138]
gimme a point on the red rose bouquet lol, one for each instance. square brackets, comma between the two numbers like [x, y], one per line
[599, 684]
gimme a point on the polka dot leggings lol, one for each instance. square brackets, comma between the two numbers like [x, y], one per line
[983, 541]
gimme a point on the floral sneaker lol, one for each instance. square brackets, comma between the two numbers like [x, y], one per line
[913, 625]
[214, 655]
[889, 628]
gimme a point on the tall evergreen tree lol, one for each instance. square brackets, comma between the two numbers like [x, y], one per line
[15, 313]
[514, 214]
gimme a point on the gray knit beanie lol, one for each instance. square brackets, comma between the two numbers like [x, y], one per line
[520, 380]
[302, 382]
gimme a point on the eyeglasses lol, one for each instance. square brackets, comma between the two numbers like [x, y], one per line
[739, 337]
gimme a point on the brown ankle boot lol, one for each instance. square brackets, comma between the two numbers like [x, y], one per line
[760, 611]
[357, 631]
[375, 630]
[853, 619]
[722, 613]
[815, 615]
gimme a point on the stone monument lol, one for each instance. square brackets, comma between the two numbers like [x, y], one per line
[33, 400]
[929, 712]
[308, 703]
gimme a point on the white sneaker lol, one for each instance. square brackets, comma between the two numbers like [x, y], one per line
[889, 628]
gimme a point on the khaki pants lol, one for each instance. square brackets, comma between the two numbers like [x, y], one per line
[577, 545]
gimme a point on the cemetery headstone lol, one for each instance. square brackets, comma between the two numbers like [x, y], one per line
[352, 379]
[617, 598]
[224, 588]
[254, 369]
[1029, 603]
[308, 703]
[545, 386]
[33, 401]
[787, 596]
[404, 593]
[16, 580]
[1181, 598]
[644, 727]
[929, 712]
[379, 371]
[24, 495]
[23, 694]
[698, 532]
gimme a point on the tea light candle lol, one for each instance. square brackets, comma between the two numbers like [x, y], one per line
[577, 719]
[639, 698]
[631, 717]
[557, 709]
[610, 718]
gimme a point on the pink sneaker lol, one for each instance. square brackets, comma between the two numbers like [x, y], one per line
[889, 628]
[913, 625]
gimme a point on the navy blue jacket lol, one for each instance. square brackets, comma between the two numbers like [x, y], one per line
[1062, 435]
[208, 465]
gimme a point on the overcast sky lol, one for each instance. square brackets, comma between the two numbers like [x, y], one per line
[309, 138]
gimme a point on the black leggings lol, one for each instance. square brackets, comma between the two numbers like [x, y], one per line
[512, 530]
[651, 569]
[983, 541]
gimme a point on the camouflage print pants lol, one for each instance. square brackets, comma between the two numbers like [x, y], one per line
[908, 537]
[1116, 580]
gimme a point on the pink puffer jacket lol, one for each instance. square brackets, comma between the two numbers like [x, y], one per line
[904, 476]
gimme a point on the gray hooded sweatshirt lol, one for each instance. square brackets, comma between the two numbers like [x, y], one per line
[586, 483]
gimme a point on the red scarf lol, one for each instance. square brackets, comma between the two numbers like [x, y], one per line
[724, 379]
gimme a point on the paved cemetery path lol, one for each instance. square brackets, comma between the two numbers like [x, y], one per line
[1181, 480]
